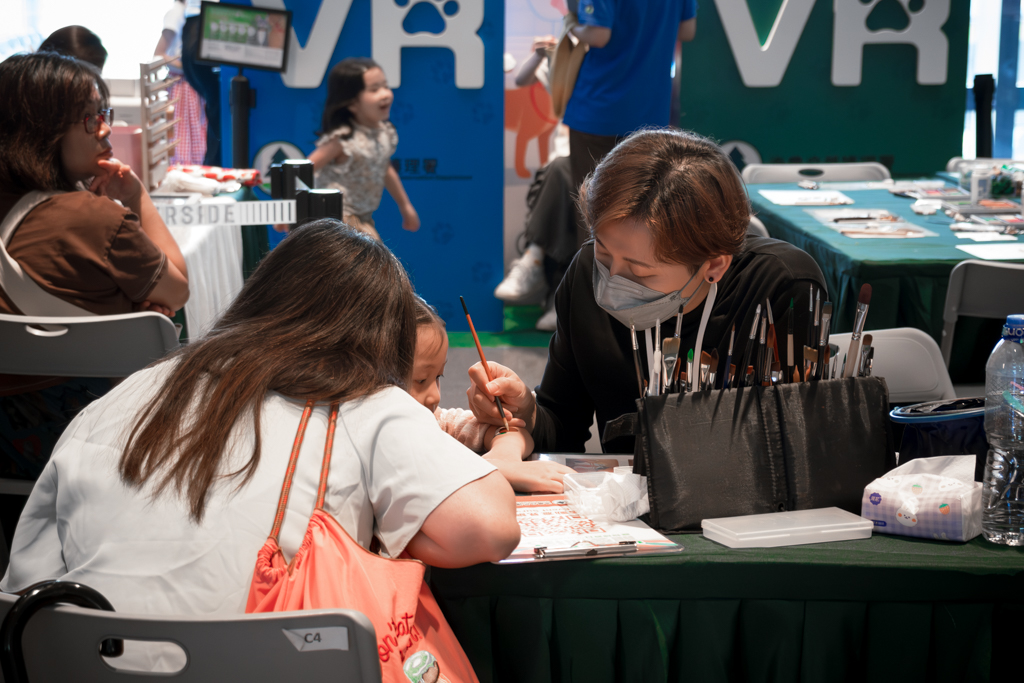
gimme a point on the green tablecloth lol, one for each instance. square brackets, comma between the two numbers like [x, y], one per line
[908, 277]
[881, 609]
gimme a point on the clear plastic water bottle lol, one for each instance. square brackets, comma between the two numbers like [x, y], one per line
[1003, 498]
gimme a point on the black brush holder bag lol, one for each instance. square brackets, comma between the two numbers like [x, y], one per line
[759, 449]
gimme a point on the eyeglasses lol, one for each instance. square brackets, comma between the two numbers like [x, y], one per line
[92, 121]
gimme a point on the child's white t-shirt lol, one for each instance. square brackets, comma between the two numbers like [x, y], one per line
[391, 464]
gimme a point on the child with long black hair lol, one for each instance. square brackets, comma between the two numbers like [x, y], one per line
[354, 153]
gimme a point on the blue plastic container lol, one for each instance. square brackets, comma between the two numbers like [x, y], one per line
[954, 427]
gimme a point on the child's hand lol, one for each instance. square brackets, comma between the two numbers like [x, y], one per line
[542, 44]
[537, 476]
[410, 219]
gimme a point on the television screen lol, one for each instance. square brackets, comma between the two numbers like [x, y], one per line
[244, 36]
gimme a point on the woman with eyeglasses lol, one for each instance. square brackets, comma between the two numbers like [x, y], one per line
[82, 228]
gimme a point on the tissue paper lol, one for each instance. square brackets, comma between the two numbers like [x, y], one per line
[927, 498]
[618, 496]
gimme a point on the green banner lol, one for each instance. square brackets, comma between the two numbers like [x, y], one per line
[818, 81]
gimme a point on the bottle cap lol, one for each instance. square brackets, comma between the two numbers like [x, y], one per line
[1013, 330]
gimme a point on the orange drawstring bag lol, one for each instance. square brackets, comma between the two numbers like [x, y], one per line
[330, 570]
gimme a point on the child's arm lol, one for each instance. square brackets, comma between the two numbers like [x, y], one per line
[410, 219]
[327, 153]
[507, 453]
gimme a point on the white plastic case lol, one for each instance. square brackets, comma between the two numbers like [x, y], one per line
[796, 527]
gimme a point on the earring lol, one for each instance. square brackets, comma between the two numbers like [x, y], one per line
[711, 279]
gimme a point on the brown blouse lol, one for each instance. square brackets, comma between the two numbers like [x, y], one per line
[87, 250]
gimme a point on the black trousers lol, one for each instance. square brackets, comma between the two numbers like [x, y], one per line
[551, 223]
[205, 81]
[586, 151]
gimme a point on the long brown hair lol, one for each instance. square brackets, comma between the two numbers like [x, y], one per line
[677, 183]
[329, 315]
[43, 95]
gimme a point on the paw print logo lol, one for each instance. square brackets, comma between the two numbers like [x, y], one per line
[402, 113]
[892, 14]
[905, 22]
[427, 16]
[442, 71]
[483, 113]
[443, 233]
[446, 311]
[482, 272]
[452, 24]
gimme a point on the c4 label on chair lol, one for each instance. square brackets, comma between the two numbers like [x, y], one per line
[327, 638]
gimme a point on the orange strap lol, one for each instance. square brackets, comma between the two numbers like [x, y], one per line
[282, 502]
[325, 468]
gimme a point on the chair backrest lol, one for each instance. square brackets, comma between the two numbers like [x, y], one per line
[982, 289]
[61, 644]
[791, 173]
[7, 601]
[953, 165]
[94, 346]
[910, 362]
[756, 227]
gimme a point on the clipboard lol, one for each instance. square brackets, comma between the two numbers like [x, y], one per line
[552, 531]
[585, 549]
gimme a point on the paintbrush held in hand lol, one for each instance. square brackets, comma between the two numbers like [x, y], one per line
[483, 360]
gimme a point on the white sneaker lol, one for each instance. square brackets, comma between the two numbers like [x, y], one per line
[524, 283]
[548, 321]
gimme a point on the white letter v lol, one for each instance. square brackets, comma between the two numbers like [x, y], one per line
[763, 67]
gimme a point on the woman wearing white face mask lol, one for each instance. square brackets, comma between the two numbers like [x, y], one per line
[668, 214]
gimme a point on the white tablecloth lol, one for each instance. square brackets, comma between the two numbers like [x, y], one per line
[213, 255]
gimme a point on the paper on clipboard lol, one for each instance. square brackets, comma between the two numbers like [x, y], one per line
[805, 197]
[549, 522]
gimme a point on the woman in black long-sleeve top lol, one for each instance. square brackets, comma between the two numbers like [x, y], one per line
[668, 214]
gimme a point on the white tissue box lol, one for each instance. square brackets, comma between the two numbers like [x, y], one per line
[933, 498]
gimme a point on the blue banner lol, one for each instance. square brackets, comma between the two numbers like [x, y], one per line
[444, 60]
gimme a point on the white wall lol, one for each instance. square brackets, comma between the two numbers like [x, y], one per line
[129, 29]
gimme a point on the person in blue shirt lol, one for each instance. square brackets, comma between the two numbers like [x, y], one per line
[625, 80]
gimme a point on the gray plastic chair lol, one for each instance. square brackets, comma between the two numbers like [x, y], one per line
[792, 173]
[910, 362]
[953, 165]
[756, 227]
[90, 346]
[982, 289]
[61, 644]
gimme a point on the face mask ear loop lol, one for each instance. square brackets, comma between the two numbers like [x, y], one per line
[709, 303]
[648, 335]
